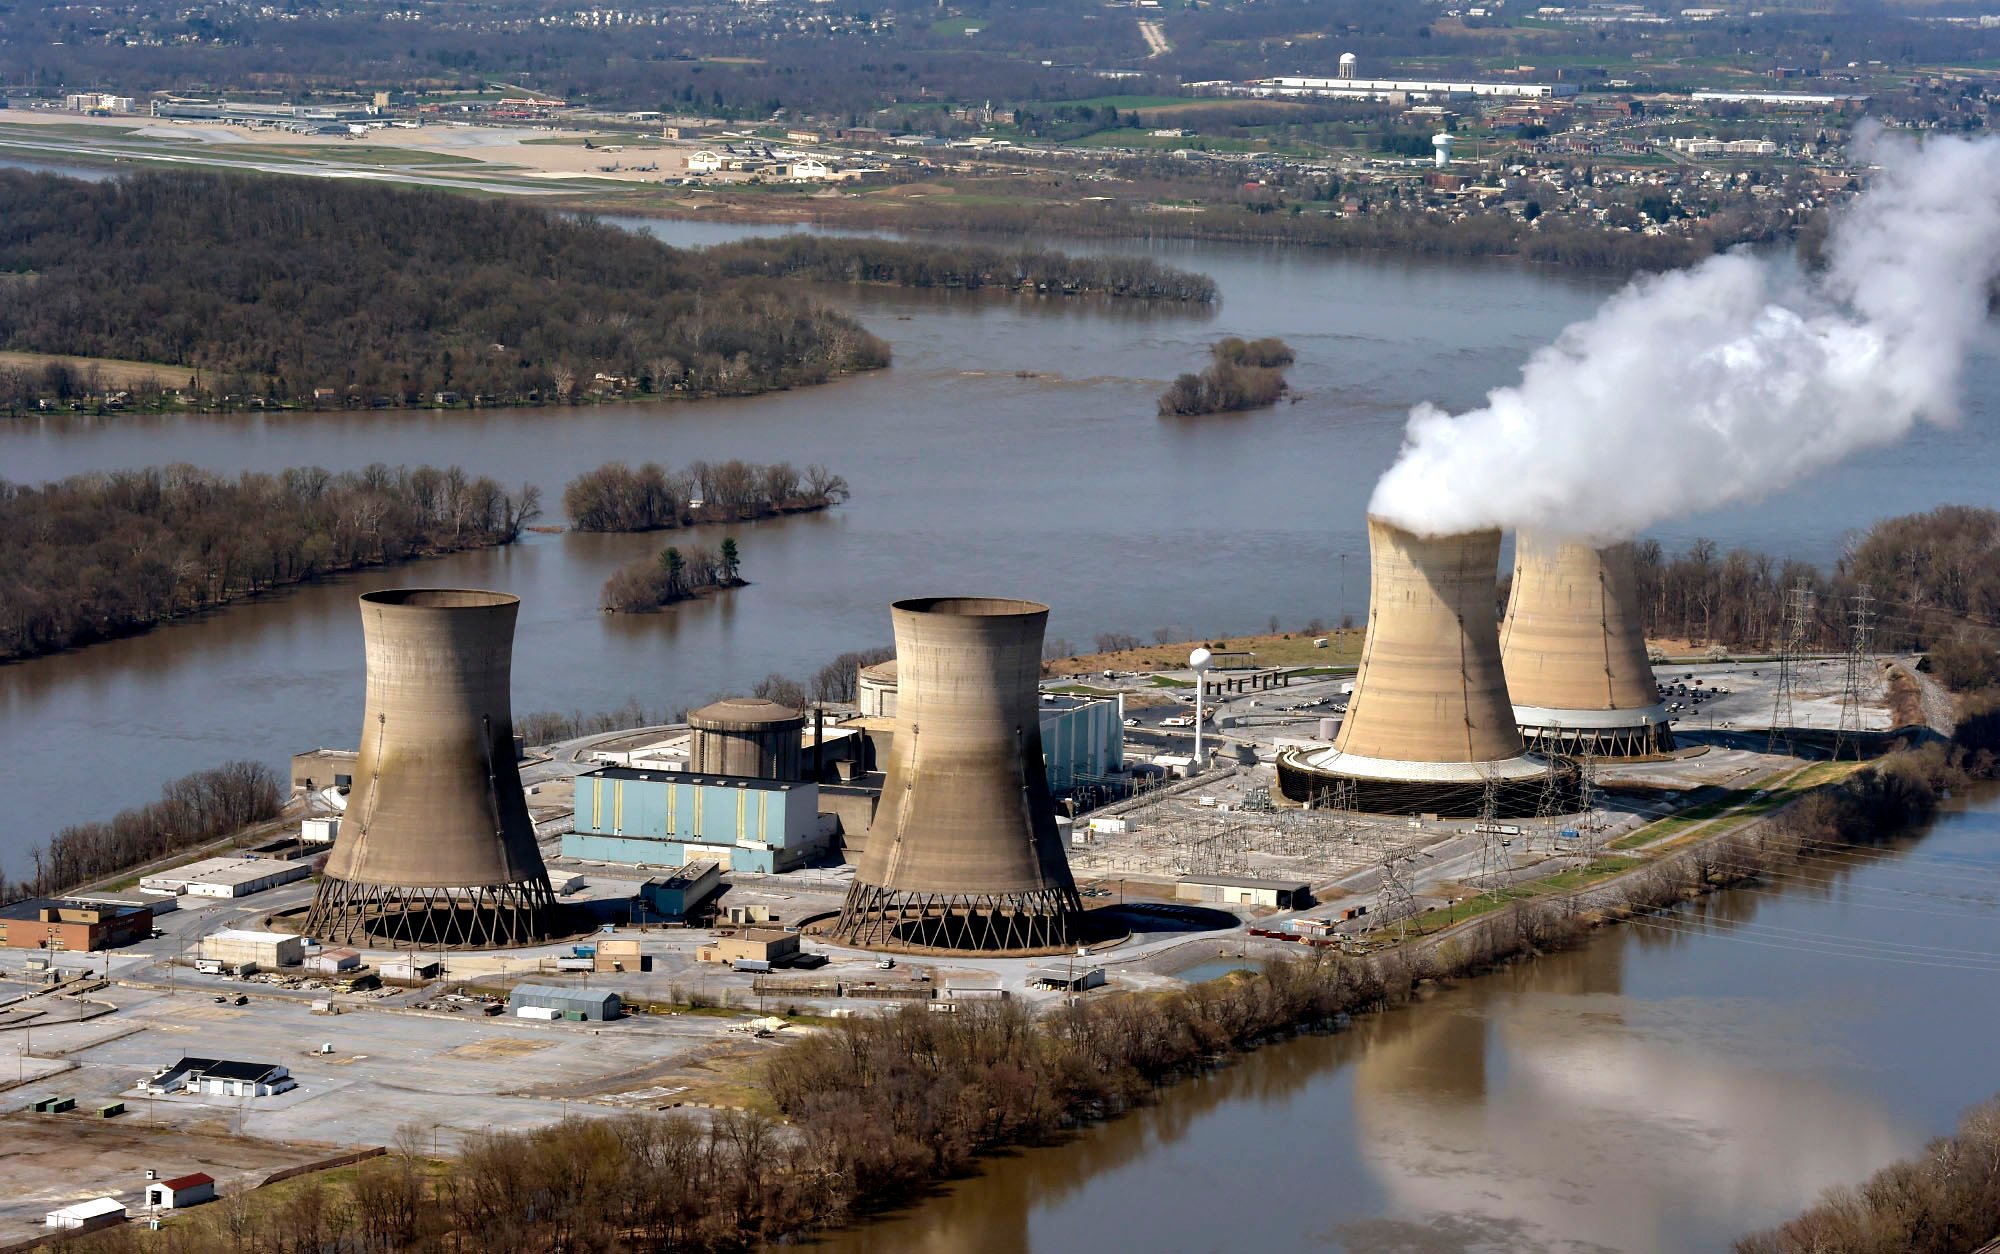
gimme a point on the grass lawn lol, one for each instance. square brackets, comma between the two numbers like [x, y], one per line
[118, 373]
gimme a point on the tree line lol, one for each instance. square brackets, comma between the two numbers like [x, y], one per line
[650, 497]
[1944, 1201]
[1240, 375]
[102, 555]
[1934, 580]
[192, 810]
[654, 583]
[970, 266]
[310, 292]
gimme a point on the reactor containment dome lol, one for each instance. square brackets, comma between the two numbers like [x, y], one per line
[1575, 654]
[963, 853]
[436, 848]
[1429, 728]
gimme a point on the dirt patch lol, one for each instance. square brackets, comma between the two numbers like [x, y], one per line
[53, 1160]
[114, 372]
[1292, 648]
[497, 1047]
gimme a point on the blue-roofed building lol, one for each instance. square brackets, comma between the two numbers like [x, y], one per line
[670, 818]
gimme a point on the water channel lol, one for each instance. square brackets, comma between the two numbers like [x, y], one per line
[1667, 1087]
[1012, 447]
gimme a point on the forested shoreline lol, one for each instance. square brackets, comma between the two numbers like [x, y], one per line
[192, 810]
[969, 266]
[305, 292]
[675, 575]
[97, 556]
[650, 497]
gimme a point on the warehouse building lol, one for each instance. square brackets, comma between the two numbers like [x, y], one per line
[98, 1212]
[334, 961]
[221, 1077]
[670, 818]
[266, 950]
[594, 1005]
[670, 898]
[1244, 890]
[224, 878]
[73, 926]
[181, 1192]
[773, 947]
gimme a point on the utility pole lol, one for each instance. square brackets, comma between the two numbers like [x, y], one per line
[1798, 613]
[1860, 638]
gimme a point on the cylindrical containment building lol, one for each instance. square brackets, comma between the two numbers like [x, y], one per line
[747, 736]
[963, 853]
[1575, 655]
[1429, 729]
[436, 846]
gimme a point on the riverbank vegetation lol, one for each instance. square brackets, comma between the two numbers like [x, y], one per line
[1934, 578]
[972, 267]
[97, 556]
[1946, 1201]
[191, 811]
[650, 497]
[308, 292]
[1242, 374]
[673, 576]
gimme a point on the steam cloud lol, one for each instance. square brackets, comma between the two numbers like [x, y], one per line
[1732, 379]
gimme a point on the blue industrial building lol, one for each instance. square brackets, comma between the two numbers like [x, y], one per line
[669, 818]
[1081, 737]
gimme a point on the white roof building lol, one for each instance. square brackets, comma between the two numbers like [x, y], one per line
[95, 1213]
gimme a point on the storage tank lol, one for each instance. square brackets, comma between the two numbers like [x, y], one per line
[875, 689]
[1429, 725]
[1348, 63]
[746, 736]
[436, 847]
[1575, 654]
[963, 853]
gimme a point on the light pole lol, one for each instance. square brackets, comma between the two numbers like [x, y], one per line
[1198, 662]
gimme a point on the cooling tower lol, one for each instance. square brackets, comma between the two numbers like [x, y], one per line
[1429, 727]
[1574, 653]
[963, 852]
[747, 736]
[436, 847]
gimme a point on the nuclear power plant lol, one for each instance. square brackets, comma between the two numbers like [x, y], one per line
[747, 737]
[963, 852]
[1429, 728]
[1575, 655]
[436, 846]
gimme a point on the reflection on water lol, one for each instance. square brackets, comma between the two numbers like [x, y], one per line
[1657, 1090]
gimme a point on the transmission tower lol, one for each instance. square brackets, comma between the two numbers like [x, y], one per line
[1860, 638]
[1490, 857]
[1394, 893]
[1798, 613]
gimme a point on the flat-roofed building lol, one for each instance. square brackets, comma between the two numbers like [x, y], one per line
[594, 1005]
[225, 878]
[268, 950]
[1244, 890]
[73, 926]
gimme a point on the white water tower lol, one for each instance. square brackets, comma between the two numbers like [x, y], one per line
[1348, 61]
[1442, 143]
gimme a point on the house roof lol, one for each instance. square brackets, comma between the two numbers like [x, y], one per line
[188, 1181]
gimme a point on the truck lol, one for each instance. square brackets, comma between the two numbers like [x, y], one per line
[1178, 720]
[758, 965]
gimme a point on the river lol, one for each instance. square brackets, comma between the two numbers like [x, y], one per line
[1012, 448]
[1669, 1086]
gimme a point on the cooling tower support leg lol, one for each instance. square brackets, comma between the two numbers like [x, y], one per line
[874, 917]
[475, 918]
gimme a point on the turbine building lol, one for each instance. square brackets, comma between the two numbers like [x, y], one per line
[1429, 728]
[963, 851]
[1575, 655]
[436, 847]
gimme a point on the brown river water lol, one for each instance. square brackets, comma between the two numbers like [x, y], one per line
[1667, 1087]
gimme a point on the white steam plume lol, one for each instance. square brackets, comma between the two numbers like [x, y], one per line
[1727, 381]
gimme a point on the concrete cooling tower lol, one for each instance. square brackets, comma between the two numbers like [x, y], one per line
[437, 847]
[963, 852]
[1574, 653]
[1429, 727]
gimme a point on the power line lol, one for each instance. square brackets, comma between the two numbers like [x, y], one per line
[1798, 613]
[1860, 635]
